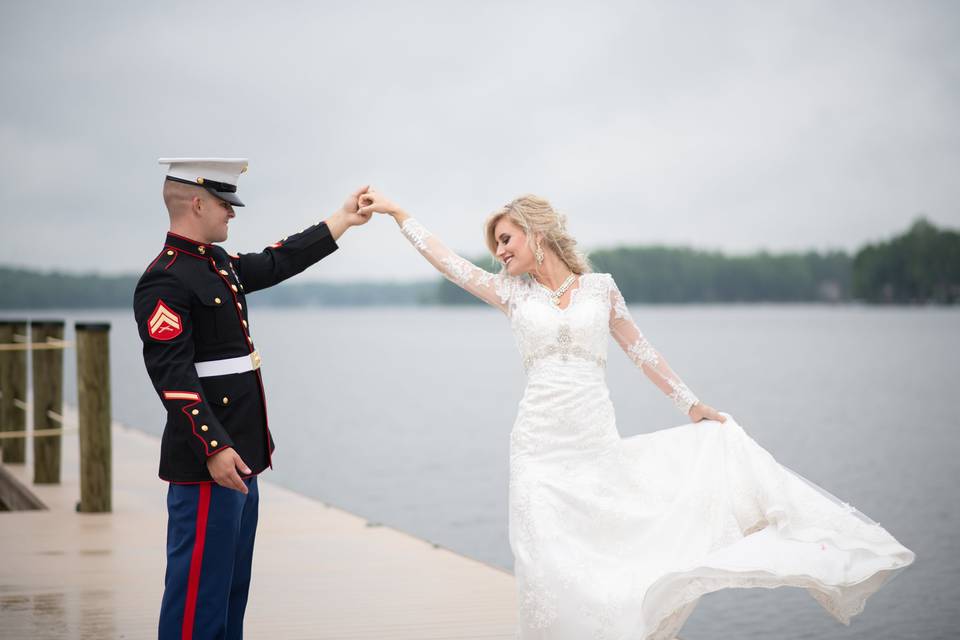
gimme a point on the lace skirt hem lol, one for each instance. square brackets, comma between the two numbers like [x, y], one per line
[673, 598]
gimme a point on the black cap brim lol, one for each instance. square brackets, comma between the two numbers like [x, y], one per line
[227, 196]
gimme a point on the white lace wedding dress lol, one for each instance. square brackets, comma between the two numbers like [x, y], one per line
[619, 538]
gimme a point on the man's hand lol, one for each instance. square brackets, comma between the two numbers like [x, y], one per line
[223, 466]
[352, 203]
[702, 411]
[348, 215]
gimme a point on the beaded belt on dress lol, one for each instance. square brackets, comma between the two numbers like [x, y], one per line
[565, 352]
[565, 347]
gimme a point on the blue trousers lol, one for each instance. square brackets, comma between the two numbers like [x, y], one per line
[210, 534]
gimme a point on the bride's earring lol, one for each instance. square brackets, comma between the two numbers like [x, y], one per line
[538, 254]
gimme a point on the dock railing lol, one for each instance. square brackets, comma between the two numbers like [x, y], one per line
[45, 345]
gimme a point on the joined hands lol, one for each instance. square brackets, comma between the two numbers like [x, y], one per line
[349, 214]
[371, 202]
[359, 207]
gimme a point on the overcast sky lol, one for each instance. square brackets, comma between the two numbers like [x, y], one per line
[721, 125]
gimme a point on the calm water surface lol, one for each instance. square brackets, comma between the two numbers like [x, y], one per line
[403, 416]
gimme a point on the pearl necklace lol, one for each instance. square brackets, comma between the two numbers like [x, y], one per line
[556, 295]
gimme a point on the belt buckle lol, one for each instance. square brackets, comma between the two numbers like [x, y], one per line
[255, 360]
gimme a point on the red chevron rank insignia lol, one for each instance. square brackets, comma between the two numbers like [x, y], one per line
[164, 323]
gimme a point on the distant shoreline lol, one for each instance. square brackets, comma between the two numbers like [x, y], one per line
[919, 267]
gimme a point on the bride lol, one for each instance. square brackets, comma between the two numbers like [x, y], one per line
[619, 538]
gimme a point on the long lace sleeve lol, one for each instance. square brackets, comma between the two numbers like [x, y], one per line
[625, 331]
[494, 289]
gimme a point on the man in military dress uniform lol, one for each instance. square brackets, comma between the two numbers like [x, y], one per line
[191, 311]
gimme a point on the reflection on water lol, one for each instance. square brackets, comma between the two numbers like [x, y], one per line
[98, 614]
[41, 616]
[87, 613]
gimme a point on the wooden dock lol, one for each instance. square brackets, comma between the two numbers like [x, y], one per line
[318, 571]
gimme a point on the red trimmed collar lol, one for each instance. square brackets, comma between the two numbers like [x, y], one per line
[196, 249]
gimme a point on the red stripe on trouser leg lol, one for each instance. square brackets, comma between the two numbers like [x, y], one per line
[196, 561]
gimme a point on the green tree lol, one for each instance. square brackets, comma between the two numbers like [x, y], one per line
[921, 265]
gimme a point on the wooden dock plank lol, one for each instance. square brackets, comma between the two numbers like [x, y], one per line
[319, 572]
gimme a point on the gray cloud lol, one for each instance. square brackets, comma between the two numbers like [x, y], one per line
[731, 126]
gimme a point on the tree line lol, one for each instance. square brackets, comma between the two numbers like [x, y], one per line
[921, 265]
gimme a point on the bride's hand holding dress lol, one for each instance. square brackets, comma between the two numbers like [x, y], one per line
[701, 411]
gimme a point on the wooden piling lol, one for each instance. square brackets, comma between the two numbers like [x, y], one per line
[47, 400]
[13, 391]
[93, 395]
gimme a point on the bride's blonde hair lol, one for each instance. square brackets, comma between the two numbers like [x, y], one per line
[535, 215]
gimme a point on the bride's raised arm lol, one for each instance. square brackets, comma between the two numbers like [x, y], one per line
[493, 289]
[627, 334]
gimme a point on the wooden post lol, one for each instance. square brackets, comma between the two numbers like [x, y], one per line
[13, 390]
[47, 400]
[93, 395]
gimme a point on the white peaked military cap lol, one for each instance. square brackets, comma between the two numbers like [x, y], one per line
[219, 176]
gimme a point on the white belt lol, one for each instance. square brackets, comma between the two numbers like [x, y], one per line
[241, 364]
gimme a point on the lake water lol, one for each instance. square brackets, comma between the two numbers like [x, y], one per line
[403, 416]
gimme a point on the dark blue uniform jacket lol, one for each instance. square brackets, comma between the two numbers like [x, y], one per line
[190, 305]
